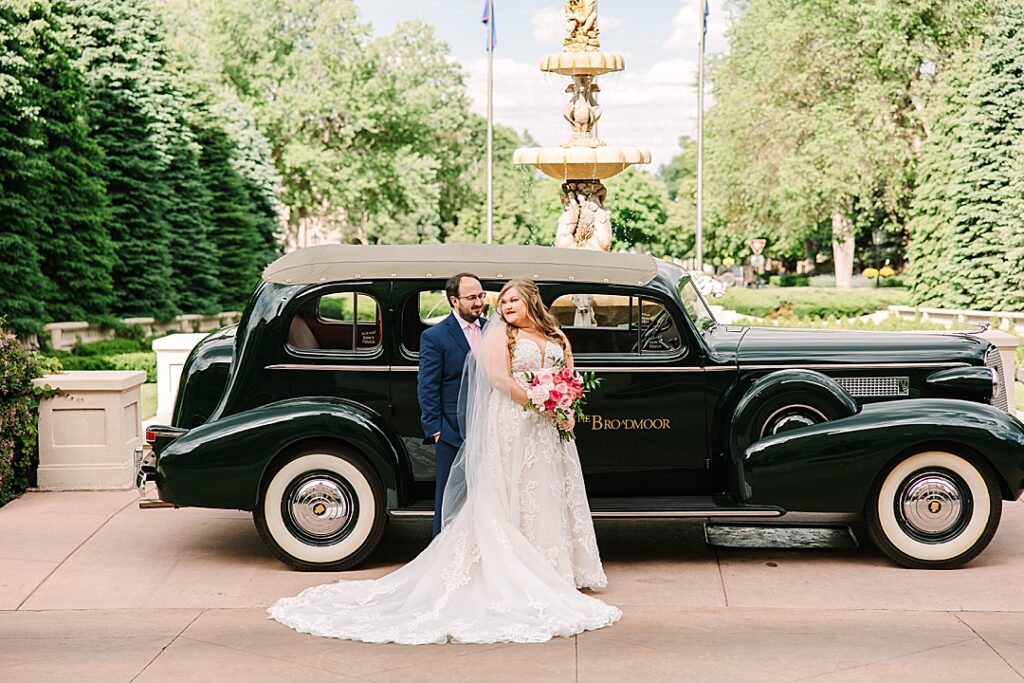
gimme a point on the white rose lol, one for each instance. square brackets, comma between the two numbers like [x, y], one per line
[538, 394]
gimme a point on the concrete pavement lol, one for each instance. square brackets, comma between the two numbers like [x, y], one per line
[92, 588]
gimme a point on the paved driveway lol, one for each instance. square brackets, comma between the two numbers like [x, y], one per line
[93, 589]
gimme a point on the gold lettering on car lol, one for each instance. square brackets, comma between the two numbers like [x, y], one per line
[600, 423]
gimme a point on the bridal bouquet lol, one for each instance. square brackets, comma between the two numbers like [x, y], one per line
[559, 392]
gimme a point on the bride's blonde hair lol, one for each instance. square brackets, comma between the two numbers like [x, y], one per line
[535, 311]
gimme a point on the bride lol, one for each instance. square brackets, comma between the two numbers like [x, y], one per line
[517, 538]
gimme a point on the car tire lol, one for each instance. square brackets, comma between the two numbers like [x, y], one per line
[321, 509]
[934, 510]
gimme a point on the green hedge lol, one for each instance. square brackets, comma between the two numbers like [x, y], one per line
[140, 360]
[111, 347]
[788, 280]
[811, 302]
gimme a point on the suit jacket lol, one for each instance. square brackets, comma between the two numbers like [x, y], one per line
[443, 350]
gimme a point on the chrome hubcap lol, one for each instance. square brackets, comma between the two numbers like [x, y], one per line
[934, 505]
[320, 507]
[791, 422]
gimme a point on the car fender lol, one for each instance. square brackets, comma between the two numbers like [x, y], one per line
[794, 386]
[220, 464]
[831, 467]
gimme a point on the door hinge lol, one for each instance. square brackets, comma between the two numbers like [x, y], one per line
[707, 463]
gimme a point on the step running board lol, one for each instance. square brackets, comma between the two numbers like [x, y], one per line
[679, 513]
[692, 514]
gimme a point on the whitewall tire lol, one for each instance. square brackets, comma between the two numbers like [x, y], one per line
[322, 509]
[934, 510]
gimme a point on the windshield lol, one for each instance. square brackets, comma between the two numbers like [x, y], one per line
[695, 305]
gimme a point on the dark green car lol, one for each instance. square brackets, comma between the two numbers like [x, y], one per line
[306, 413]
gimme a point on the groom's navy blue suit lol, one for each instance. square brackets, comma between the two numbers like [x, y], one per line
[443, 350]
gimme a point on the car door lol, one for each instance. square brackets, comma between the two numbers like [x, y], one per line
[334, 347]
[644, 433]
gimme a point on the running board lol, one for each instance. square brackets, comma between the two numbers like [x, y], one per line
[683, 507]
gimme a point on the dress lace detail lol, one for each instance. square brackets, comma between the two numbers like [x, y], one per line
[505, 569]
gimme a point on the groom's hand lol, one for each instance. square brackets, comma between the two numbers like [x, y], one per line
[437, 437]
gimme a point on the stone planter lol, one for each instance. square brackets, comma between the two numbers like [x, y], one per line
[171, 354]
[89, 432]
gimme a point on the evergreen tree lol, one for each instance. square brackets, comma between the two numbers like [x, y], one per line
[133, 121]
[235, 229]
[987, 233]
[190, 219]
[77, 254]
[932, 211]
[21, 280]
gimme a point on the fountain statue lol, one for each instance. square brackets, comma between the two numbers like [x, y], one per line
[584, 160]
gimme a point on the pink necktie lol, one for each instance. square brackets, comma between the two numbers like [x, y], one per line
[474, 336]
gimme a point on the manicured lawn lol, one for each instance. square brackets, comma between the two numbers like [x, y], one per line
[148, 400]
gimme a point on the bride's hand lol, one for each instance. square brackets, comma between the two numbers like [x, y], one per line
[568, 423]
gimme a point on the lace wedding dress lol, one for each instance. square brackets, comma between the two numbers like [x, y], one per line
[507, 564]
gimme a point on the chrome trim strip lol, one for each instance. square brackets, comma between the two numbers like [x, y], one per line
[640, 369]
[856, 366]
[330, 368]
[637, 370]
[605, 369]
[631, 515]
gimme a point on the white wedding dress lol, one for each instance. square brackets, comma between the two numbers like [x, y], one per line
[507, 564]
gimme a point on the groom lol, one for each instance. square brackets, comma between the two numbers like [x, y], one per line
[443, 350]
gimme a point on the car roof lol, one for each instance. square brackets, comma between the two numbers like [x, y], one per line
[340, 262]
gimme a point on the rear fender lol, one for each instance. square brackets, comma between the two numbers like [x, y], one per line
[832, 467]
[220, 464]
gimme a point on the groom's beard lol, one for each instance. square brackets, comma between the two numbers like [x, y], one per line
[468, 314]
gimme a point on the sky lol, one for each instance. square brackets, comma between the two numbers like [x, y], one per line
[649, 105]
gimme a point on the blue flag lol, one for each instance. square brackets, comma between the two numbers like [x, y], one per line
[706, 13]
[492, 34]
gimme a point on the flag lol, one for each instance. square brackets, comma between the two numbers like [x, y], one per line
[492, 34]
[706, 13]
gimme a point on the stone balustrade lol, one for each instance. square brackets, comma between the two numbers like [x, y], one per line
[1013, 322]
[88, 433]
[65, 335]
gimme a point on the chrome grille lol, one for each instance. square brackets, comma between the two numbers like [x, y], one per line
[865, 387]
[994, 361]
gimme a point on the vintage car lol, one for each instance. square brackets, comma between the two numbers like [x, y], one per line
[306, 413]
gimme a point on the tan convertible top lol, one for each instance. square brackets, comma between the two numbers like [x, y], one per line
[338, 262]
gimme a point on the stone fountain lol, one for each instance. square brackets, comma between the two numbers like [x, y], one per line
[583, 160]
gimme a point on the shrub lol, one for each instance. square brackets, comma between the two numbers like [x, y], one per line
[811, 302]
[110, 347]
[138, 360]
[788, 280]
[19, 403]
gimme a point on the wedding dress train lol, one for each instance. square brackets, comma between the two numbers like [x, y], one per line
[507, 564]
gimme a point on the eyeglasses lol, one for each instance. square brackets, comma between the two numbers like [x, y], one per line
[476, 297]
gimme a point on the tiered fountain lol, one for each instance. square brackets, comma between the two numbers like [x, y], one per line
[583, 160]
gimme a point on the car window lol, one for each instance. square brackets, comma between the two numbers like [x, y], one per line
[340, 321]
[428, 308]
[616, 324]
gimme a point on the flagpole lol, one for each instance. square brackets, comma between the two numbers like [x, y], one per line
[699, 244]
[490, 126]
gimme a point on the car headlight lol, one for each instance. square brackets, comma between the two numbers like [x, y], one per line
[979, 383]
